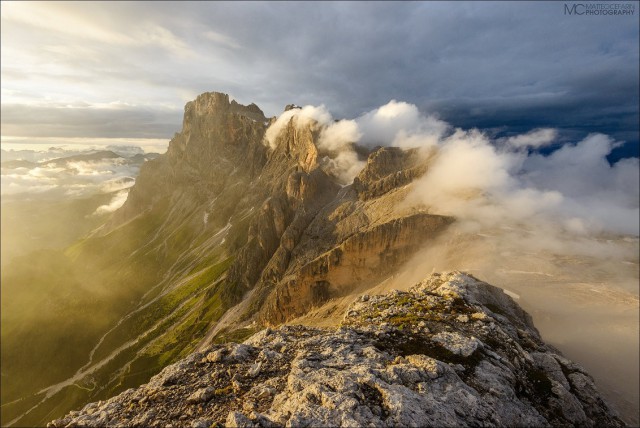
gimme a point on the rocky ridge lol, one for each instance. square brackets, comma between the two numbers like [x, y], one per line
[453, 351]
[300, 238]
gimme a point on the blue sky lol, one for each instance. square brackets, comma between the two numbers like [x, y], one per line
[85, 70]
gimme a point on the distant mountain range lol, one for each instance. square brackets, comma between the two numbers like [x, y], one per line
[88, 157]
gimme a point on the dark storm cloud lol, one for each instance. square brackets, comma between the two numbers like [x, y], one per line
[492, 64]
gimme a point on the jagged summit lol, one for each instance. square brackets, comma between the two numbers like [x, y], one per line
[452, 351]
[291, 107]
[302, 236]
[209, 103]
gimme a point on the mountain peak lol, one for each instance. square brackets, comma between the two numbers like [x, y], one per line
[291, 107]
[209, 103]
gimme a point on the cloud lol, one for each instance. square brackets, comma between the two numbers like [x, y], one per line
[81, 22]
[545, 70]
[115, 184]
[399, 124]
[381, 126]
[466, 164]
[71, 21]
[338, 135]
[222, 39]
[604, 196]
[487, 182]
[47, 121]
[72, 178]
[483, 181]
[335, 141]
[535, 139]
[118, 200]
[574, 189]
[345, 166]
[125, 150]
[301, 117]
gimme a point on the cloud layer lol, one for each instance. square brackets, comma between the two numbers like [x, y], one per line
[523, 65]
[57, 173]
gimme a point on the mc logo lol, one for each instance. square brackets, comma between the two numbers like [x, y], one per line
[573, 10]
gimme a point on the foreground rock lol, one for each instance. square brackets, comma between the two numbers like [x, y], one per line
[452, 351]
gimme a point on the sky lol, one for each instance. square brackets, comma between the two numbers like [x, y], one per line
[94, 71]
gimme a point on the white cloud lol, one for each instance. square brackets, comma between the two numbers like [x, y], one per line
[334, 142]
[574, 189]
[380, 126]
[467, 162]
[604, 196]
[338, 135]
[118, 200]
[86, 23]
[301, 117]
[534, 139]
[65, 19]
[484, 181]
[71, 178]
[345, 166]
[400, 124]
[222, 39]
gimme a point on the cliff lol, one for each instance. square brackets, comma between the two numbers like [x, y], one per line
[299, 237]
[453, 351]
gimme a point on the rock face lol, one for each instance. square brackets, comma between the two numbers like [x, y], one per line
[299, 238]
[453, 351]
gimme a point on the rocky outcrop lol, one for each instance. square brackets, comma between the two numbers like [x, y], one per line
[219, 146]
[389, 168]
[294, 190]
[305, 238]
[453, 351]
[365, 255]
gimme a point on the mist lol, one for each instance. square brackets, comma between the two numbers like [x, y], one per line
[559, 232]
[118, 200]
[59, 173]
[335, 142]
[55, 196]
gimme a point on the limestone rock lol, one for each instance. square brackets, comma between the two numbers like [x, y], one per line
[400, 359]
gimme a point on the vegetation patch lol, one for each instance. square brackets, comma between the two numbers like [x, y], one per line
[238, 336]
[404, 344]
[540, 382]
